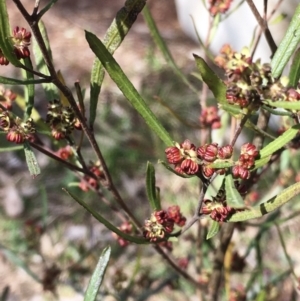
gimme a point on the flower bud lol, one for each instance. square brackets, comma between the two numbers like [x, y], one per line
[225, 152]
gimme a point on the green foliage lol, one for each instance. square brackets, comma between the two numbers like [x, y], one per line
[97, 277]
[206, 179]
[287, 46]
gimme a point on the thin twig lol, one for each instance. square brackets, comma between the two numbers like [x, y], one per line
[239, 130]
[264, 26]
[52, 155]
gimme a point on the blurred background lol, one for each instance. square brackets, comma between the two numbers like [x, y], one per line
[46, 236]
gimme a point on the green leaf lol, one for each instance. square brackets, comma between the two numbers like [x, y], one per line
[277, 112]
[250, 125]
[6, 44]
[221, 164]
[232, 109]
[214, 83]
[287, 45]
[261, 162]
[129, 91]
[105, 222]
[151, 188]
[213, 229]
[160, 43]
[97, 76]
[279, 142]
[29, 90]
[294, 74]
[97, 277]
[114, 36]
[13, 81]
[267, 207]
[31, 161]
[10, 149]
[49, 88]
[46, 8]
[233, 197]
[295, 105]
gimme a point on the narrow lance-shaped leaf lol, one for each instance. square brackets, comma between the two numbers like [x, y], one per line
[284, 104]
[279, 142]
[261, 162]
[10, 149]
[47, 7]
[267, 207]
[29, 90]
[221, 164]
[287, 45]
[151, 188]
[294, 74]
[233, 197]
[105, 222]
[49, 88]
[31, 161]
[214, 83]
[13, 81]
[127, 88]
[214, 228]
[97, 277]
[6, 44]
[159, 41]
[112, 40]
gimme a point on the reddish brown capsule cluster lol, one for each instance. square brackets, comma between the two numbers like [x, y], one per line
[21, 41]
[195, 161]
[127, 228]
[161, 223]
[209, 118]
[217, 210]
[88, 181]
[17, 130]
[184, 157]
[249, 83]
[246, 161]
[219, 6]
[62, 120]
[6, 97]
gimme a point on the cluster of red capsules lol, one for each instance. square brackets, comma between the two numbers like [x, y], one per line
[21, 41]
[250, 83]
[162, 222]
[190, 160]
[217, 208]
[17, 130]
